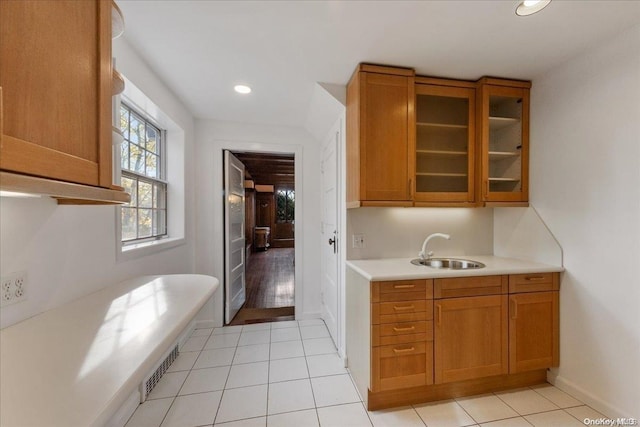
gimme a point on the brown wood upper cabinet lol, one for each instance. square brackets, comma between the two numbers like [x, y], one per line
[56, 78]
[503, 115]
[445, 143]
[423, 141]
[380, 136]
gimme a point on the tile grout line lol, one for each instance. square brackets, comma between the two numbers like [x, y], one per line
[226, 380]
[313, 394]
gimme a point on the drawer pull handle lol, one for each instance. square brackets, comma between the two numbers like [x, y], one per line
[534, 278]
[403, 350]
[438, 314]
[411, 328]
[403, 307]
[514, 308]
[403, 286]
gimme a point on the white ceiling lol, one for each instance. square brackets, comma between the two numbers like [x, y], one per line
[201, 49]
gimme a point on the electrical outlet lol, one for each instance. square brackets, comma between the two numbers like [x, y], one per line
[358, 241]
[14, 288]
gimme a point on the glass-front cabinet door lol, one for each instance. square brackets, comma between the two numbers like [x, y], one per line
[445, 135]
[504, 116]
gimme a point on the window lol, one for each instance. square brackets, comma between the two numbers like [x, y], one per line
[143, 176]
[285, 205]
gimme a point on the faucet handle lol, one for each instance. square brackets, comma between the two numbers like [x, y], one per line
[429, 254]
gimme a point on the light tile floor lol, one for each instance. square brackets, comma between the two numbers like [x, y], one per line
[289, 374]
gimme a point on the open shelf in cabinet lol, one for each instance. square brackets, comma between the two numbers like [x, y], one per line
[496, 123]
[440, 174]
[442, 152]
[442, 125]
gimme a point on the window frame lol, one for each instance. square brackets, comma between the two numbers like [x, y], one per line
[139, 177]
[289, 219]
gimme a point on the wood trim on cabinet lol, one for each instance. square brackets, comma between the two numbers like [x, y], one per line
[105, 144]
[384, 69]
[498, 81]
[470, 286]
[75, 193]
[437, 81]
[413, 395]
[25, 157]
[353, 141]
[383, 204]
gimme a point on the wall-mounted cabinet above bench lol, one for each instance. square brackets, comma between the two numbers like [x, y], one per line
[421, 141]
[56, 84]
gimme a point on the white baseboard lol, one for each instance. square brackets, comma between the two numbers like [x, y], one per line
[205, 324]
[125, 412]
[606, 408]
[308, 316]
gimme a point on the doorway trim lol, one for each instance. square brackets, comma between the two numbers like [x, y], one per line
[218, 206]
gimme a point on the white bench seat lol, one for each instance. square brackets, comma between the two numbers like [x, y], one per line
[77, 364]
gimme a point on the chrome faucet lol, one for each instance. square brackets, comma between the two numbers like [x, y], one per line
[423, 253]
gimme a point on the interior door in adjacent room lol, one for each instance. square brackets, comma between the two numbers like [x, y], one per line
[329, 235]
[234, 242]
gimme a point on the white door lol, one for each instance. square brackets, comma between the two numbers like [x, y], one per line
[234, 244]
[329, 258]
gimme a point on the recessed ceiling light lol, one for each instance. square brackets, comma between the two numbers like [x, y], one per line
[529, 7]
[242, 89]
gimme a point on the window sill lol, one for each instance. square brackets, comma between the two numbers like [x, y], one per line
[129, 252]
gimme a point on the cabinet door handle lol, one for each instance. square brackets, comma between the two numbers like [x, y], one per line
[438, 314]
[409, 187]
[403, 286]
[534, 278]
[403, 307]
[514, 308]
[411, 328]
[403, 350]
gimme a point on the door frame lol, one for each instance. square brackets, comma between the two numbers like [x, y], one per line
[218, 206]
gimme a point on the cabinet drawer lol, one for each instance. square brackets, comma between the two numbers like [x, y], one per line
[534, 282]
[400, 333]
[470, 286]
[401, 366]
[401, 311]
[401, 290]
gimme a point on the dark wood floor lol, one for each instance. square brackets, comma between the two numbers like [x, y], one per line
[270, 279]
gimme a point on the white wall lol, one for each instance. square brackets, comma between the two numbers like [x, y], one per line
[70, 251]
[212, 137]
[585, 183]
[399, 232]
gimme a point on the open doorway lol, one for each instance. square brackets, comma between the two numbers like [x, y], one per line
[269, 256]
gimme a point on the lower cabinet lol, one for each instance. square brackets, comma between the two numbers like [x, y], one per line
[401, 334]
[533, 331]
[470, 338]
[428, 340]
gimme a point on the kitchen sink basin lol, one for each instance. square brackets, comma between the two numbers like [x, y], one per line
[448, 263]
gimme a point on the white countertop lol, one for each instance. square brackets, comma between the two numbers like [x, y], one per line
[76, 364]
[402, 269]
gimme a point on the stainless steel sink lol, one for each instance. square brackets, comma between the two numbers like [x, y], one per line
[448, 263]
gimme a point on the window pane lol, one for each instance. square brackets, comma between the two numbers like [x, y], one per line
[152, 165]
[152, 136]
[144, 194]
[124, 155]
[136, 128]
[137, 159]
[128, 223]
[130, 187]
[124, 121]
[144, 223]
[159, 222]
[159, 196]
